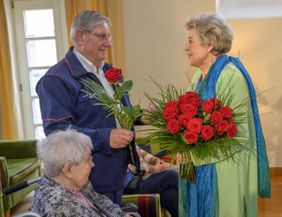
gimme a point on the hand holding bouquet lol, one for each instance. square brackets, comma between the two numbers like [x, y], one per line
[125, 114]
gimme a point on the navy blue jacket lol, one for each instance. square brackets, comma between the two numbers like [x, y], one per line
[63, 104]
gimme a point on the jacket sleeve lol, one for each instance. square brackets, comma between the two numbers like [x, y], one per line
[58, 112]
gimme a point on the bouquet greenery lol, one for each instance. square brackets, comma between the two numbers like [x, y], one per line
[198, 131]
[125, 115]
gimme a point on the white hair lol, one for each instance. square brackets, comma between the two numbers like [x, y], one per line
[61, 148]
[212, 29]
[86, 21]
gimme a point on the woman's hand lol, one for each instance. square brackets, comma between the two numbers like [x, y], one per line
[159, 166]
[181, 159]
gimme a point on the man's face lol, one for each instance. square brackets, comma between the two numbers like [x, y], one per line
[94, 44]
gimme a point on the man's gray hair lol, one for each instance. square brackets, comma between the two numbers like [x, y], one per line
[61, 148]
[212, 29]
[86, 21]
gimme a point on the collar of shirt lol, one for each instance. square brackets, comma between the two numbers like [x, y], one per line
[90, 67]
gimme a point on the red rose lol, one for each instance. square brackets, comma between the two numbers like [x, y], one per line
[232, 129]
[194, 125]
[207, 132]
[216, 117]
[190, 137]
[193, 98]
[183, 99]
[184, 118]
[221, 127]
[208, 106]
[188, 108]
[217, 103]
[113, 75]
[227, 112]
[173, 126]
[172, 103]
[170, 112]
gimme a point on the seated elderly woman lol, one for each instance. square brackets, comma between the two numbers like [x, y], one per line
[64, 190]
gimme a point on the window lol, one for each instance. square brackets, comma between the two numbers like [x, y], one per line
[39, 46]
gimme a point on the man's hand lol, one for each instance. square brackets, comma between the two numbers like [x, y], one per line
[120, 138]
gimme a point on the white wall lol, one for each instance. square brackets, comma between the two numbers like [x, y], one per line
[154, 45]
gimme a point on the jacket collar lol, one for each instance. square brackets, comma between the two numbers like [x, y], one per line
[75, 67]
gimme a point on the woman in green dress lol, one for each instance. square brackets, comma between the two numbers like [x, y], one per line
[224, 187]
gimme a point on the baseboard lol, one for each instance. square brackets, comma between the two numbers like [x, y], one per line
[276, 171]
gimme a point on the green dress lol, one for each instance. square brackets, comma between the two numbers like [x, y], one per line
[237, 177]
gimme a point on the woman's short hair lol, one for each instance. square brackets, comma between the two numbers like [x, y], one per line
[61, 148]
[212, 29]
[86, 21]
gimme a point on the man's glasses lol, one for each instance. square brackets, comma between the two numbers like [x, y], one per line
[101, 36]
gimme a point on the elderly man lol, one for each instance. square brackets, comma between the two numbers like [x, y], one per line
[64, 104]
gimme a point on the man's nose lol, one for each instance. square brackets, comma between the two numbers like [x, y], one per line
[108, 42]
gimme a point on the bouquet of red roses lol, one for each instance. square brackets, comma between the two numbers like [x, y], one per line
[198, 121]
[198, 130]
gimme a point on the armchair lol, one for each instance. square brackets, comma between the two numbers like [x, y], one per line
[18, 162]
[1, 202]
[149, 205]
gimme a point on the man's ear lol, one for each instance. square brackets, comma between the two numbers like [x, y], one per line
[67, 170]
[79, 37]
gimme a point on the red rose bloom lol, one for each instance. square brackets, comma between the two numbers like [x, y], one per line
[172, 103]
[170, 112]
[221, 127]
[232, 129]
[188, 108]
[193, 98]
[190, 137]
[173, 126]
[183, 99]
[207, 132]
[194, 125]
[184, 118]
[217, 103]
[227, 112]
[208, 106]
[216, 117]
[113, 75]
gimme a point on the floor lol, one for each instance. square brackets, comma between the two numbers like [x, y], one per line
[272, 207]
[267, 207]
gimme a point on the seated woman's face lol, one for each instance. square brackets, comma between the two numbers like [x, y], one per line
[80, 172]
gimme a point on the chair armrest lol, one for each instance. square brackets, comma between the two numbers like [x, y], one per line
[3, 172]
[148, 204]
[13, 149]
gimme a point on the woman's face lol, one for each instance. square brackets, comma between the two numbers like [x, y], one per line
[80, 172]
[197, 52]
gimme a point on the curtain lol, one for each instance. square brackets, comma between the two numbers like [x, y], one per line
[8, 120]
[109, 8]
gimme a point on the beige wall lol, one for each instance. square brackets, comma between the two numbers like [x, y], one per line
[154, 46]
